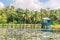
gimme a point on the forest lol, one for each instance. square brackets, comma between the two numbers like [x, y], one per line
[11, 15]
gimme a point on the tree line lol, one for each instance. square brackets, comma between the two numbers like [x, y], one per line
[10, 15]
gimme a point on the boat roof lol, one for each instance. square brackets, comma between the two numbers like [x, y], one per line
[46, 18]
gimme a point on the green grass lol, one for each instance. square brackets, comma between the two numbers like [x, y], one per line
[26, 26]
[20, 26]
[56, 26]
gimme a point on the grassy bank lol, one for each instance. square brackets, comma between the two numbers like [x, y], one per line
[20, 26]
[56, 26]
[26, 26]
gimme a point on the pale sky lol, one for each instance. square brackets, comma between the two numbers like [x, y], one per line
[31, 4]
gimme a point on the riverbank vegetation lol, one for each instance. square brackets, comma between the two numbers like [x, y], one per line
[10, 15]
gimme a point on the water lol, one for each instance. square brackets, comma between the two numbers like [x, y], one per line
[27, 34]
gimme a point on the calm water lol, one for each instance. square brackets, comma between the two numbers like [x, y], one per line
[27, 34]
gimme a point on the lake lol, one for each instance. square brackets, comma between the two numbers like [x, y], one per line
[27, 34]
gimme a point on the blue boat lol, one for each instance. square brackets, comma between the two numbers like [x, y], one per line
[46, 23]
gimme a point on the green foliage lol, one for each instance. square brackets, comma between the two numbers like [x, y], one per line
[24, 16]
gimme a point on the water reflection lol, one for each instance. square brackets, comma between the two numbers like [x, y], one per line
[27, 34]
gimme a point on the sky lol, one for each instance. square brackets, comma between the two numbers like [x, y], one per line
[31, 4]
[4, 3]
